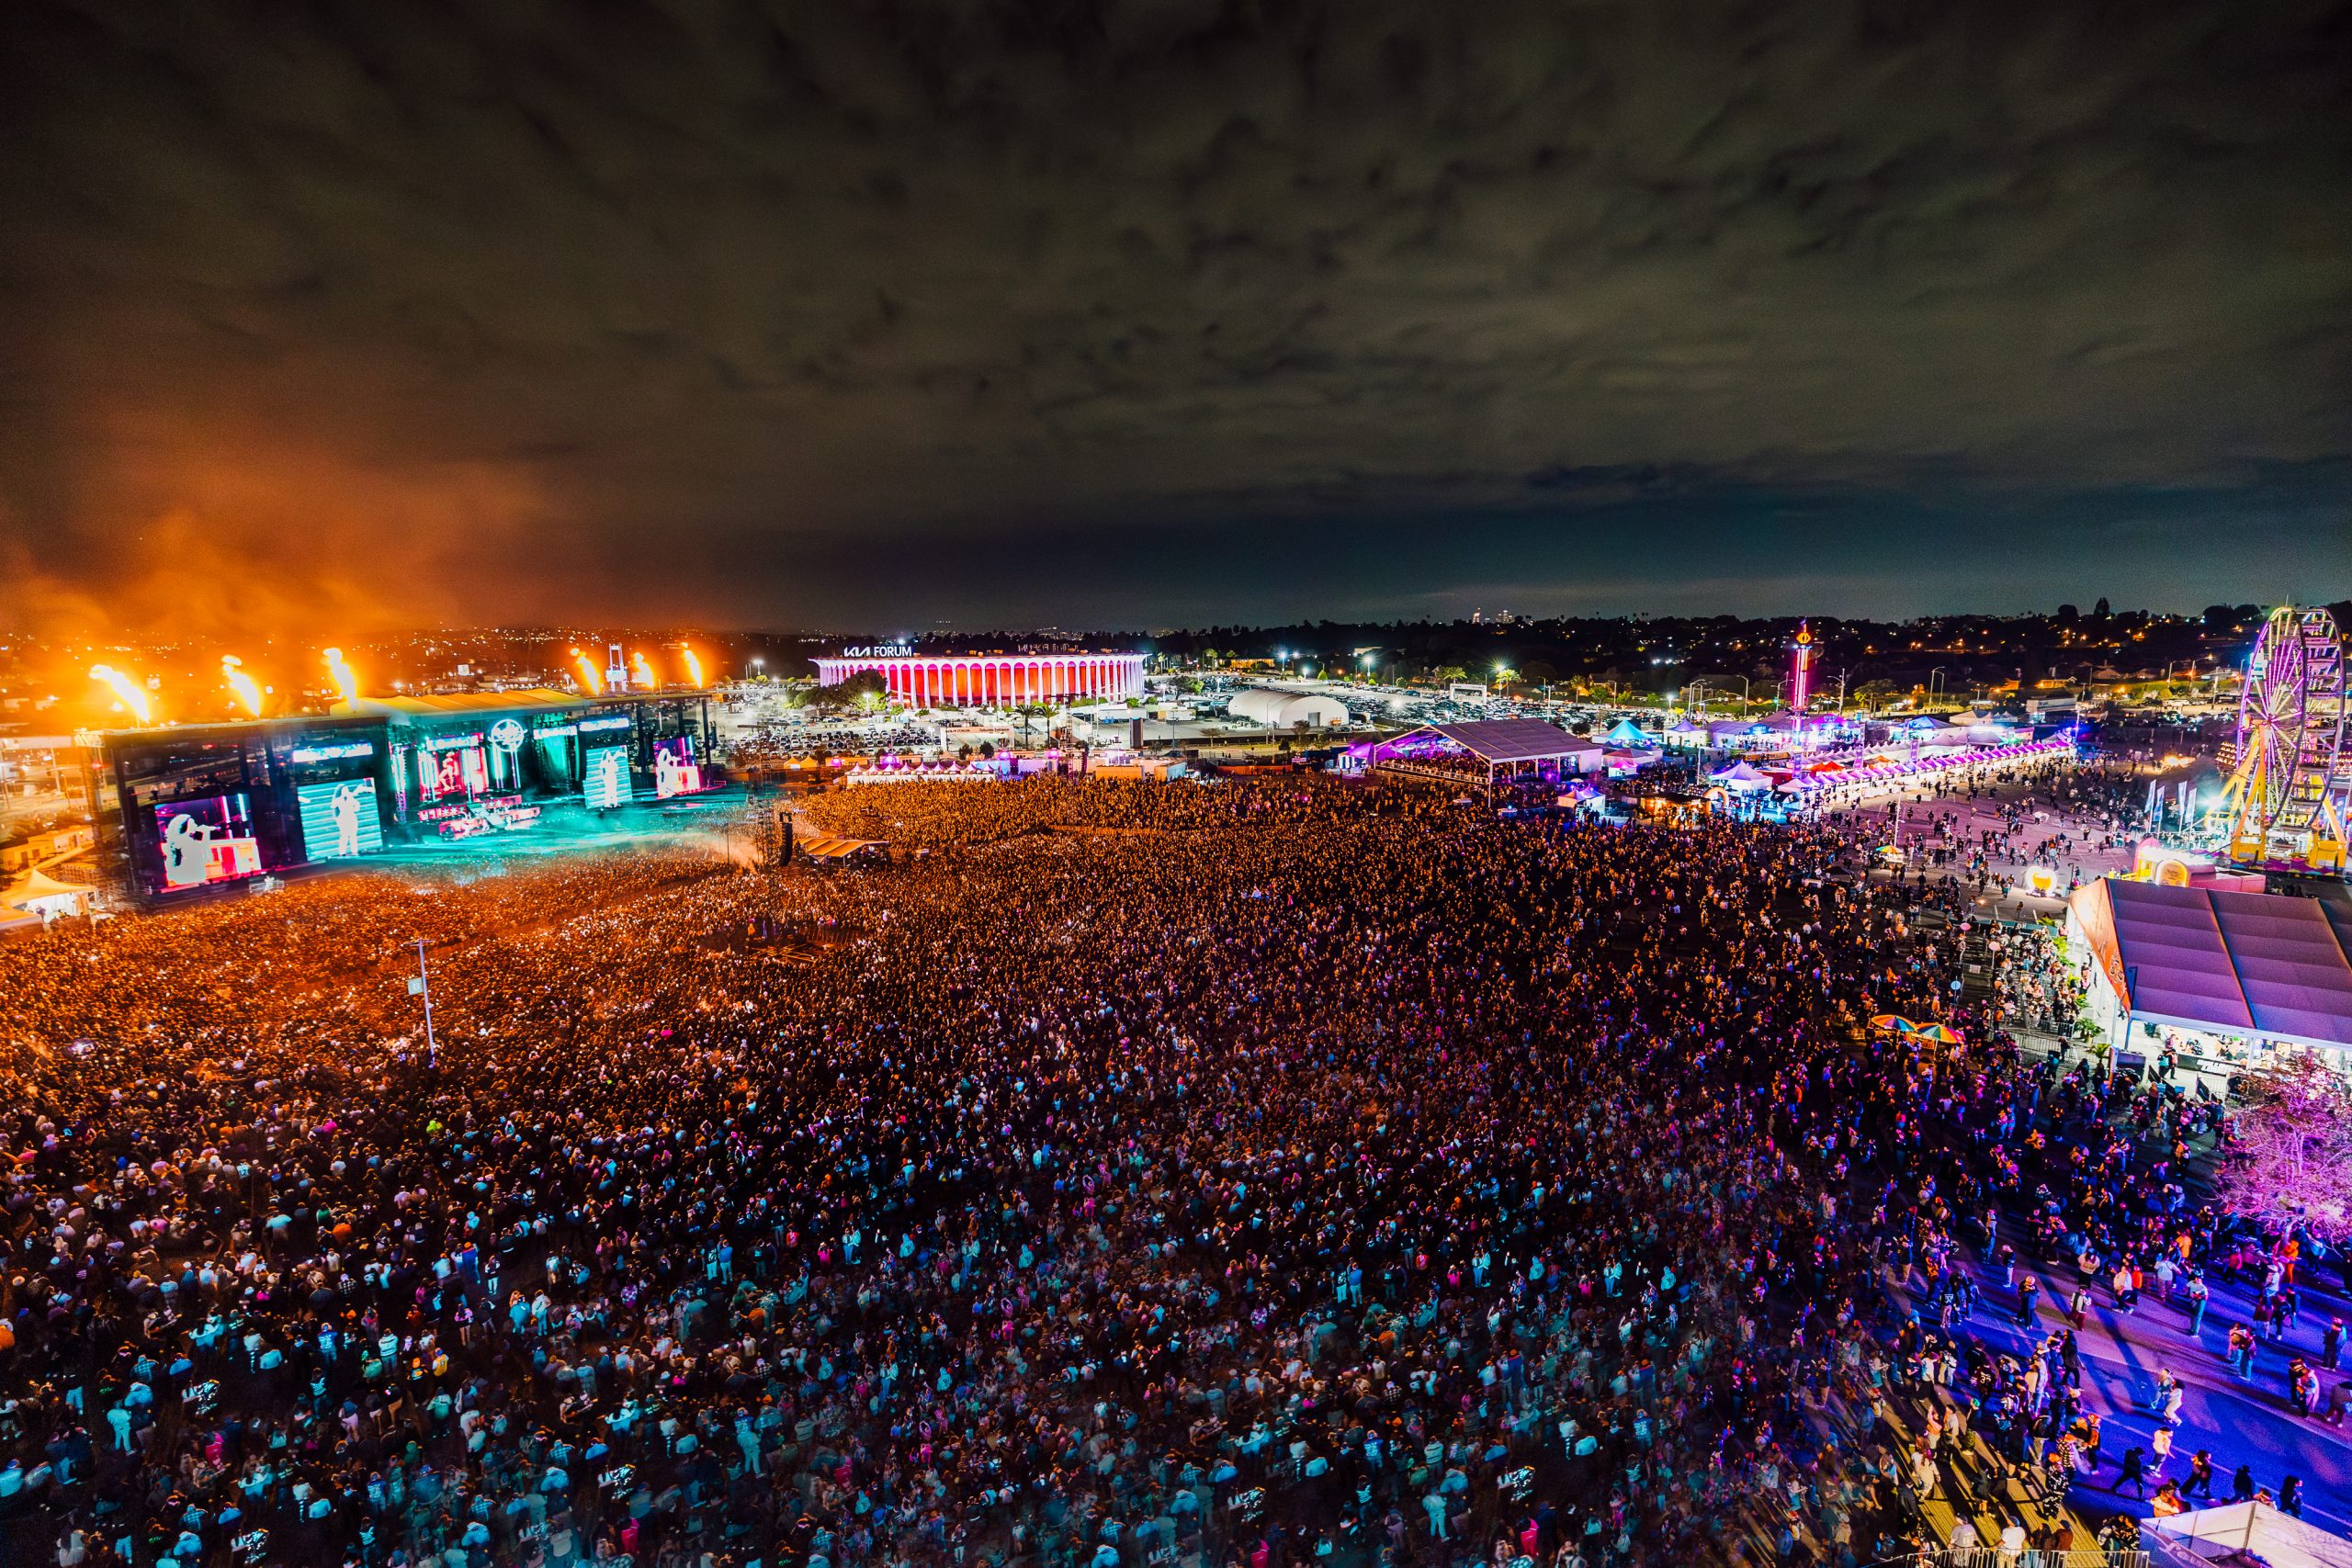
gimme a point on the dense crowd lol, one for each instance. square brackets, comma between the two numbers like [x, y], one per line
[1276, 1170]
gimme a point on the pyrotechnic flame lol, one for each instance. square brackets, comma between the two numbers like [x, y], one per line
[345, 681]
[588, 676]
[693, 667]
[641, 668]
[248, 689]
[127, 691]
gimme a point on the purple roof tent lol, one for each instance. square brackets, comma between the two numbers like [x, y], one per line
[1495, 746]
[2256, 964]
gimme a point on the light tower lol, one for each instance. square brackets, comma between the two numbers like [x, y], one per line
[615, 668]
[1801, 670]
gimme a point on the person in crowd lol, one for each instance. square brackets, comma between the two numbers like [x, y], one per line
[1242, 1169]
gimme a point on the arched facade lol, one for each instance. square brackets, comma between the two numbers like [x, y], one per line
[996, 680]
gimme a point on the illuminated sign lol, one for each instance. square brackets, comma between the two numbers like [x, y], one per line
[446, 813]
[206, 840]
[614, 721]
[332, 753]
[506, 733]
[340, 821]
[881, 651]
[549, 731]
[449, 742]
[605, 782]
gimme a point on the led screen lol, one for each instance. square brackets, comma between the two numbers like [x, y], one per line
[206, 840]
[459, 770]
[675, 772]
[605, 781]
[341, 820]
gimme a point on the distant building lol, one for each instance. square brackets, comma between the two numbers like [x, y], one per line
[1288, 710]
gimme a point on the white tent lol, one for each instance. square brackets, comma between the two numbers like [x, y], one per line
[2236, 1530]
[43, 894]
[1739, 775]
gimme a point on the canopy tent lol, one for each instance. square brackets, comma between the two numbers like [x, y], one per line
[1680, 725]
[2252, 963]
[1739, 775]
[42, 893]
[1625, 732]
[834, 846]
[1497, 746]
[2240, 1532]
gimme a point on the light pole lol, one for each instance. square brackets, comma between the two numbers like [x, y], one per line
[1935, 677]
[423, 987]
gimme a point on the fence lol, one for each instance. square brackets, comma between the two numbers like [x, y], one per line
[1992, 1557]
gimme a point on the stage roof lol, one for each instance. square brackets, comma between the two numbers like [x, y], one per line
[1510, 740]
[536, 699]
[2258, 963]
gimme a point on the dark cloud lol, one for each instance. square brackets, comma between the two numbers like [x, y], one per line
[739, 308]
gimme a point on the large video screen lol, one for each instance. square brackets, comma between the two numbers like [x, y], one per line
[605, 781]
[206, 840]
[675, 772]
[341, 820]
[458, 770]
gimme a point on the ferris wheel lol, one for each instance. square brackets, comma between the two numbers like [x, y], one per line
[2289, 776]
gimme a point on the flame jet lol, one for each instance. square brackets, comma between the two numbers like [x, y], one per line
[126, 691]
[345, 681]
[588, 676]
[248, 689]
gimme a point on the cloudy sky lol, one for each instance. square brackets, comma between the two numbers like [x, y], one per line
[836, 313]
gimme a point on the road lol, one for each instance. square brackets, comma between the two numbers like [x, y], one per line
[2239, 1422]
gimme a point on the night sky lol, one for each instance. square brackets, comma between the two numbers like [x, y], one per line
[884, 315]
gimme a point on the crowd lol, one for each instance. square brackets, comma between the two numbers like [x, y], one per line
[1272, 1171]
[1987, 828]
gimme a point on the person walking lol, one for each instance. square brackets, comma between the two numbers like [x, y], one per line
[2134, 1473]
[2200, 1475]
[2198, 1295]
[2160, 1440]
[2026, 1288]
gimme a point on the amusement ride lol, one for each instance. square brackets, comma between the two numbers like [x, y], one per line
[2288, 779]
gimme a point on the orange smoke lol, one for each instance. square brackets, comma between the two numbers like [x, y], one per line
[345, 683]
[128, 692]
[248, 689]
[588, 676]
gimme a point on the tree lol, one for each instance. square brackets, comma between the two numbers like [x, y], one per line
[2291, 1154]
[849, 693]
